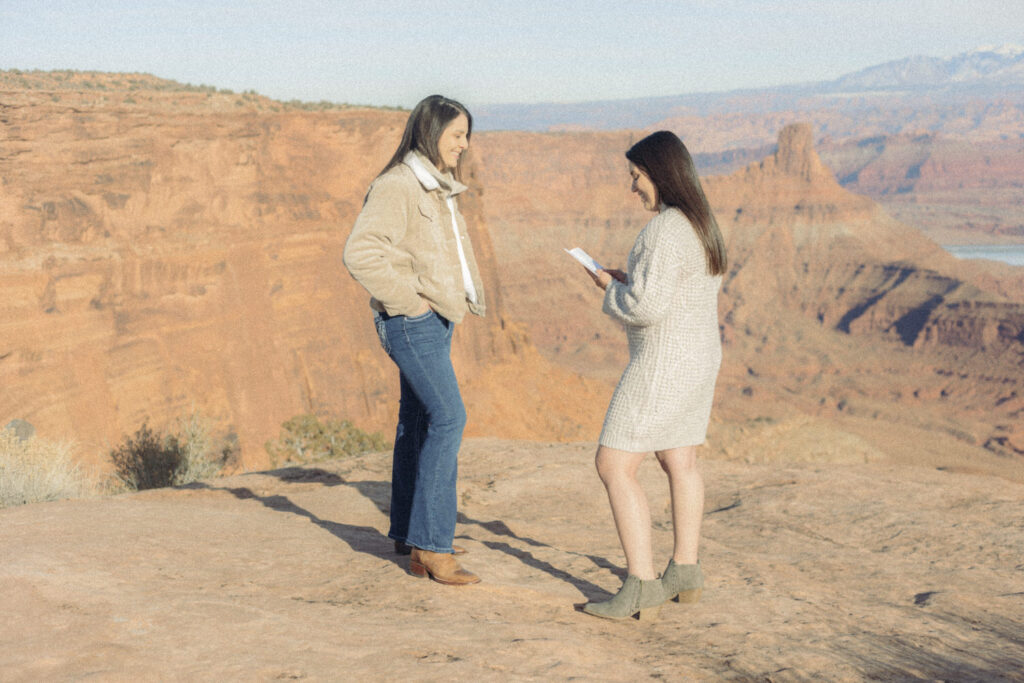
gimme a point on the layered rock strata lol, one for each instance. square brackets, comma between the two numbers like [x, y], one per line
[167, 254]
[830, 307]
[166, 251]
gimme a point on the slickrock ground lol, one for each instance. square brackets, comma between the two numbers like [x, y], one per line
[838, 572]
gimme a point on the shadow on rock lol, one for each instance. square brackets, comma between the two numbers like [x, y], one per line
[499, 528]
[371, 541]
[361, 539]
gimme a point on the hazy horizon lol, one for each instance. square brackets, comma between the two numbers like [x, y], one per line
[488, 52]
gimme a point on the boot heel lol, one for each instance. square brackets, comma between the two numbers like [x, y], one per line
[648, 614]
[638, 599]
[440, 567]
[688, 596]
[683, 581]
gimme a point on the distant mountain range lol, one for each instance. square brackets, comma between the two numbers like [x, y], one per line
[985, 66]
[987, 72]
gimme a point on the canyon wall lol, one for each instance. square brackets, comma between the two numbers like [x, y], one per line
[830, 307]
[164, 251]
[182, 252]
[958, 190]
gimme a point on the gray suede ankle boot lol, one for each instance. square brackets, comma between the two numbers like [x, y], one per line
[641, 599]
[682, 582]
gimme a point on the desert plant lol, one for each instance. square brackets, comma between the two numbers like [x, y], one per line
[34, 470]
[147, 460]
[305, 439]
[202, 455]
[152, 460]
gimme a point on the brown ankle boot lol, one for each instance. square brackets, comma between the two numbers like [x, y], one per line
[441, 567]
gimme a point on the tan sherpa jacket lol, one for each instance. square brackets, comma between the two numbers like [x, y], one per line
[402, 247]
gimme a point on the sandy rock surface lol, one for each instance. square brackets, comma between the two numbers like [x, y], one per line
[840, 572]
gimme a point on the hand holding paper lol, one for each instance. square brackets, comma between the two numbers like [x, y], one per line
[617, 274]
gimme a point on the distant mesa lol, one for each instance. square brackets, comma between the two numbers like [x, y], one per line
[792, 184]
[796, 155]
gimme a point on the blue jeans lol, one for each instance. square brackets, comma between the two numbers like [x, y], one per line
[431, 418]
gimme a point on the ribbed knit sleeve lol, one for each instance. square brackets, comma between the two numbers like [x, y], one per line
[661, 258]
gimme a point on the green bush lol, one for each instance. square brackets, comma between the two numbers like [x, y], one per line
[34, 470]
[305, 439]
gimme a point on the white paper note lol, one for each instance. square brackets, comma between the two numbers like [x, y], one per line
[584, 258]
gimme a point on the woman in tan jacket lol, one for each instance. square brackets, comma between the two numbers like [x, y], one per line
[410, 250]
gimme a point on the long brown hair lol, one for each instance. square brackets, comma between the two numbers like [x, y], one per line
[667, 162]
[423, 129]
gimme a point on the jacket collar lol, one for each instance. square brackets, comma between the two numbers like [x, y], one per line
[430, 178]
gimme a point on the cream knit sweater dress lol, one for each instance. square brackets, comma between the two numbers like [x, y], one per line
[670, 310]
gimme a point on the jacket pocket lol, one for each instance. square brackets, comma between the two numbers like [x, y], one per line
[429, 211]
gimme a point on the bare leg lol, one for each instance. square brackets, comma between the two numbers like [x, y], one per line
[632, 515]
[687, 489]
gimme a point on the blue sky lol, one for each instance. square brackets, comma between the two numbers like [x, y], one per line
[393, 52]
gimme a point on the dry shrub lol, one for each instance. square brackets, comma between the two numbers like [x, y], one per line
[152, 460]
[203, 455]
[35, 470]
[147, 460]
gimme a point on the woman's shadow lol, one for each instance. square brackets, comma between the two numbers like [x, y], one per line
[369, 540]
[361, 539]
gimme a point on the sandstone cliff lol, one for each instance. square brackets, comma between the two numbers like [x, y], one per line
[163, 252]
[959, 191]
[856, 272]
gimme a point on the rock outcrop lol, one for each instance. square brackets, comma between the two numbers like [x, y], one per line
[866, 272]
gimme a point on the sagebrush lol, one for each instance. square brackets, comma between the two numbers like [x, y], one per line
[306, 439]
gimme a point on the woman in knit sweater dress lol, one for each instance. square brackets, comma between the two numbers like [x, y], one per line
[668, 302]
